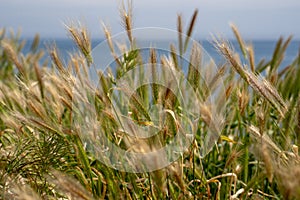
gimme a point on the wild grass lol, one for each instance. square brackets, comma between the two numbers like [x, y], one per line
[43, 157]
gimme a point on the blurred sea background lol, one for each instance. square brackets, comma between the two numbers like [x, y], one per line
[263, 49]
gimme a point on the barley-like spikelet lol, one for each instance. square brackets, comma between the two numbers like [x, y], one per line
[206, 114]
[251, 58]
[174, 56]
[180, 33]
[13, 57]
[35, 43]
[190, 29]
[39, 78]
[243, 98]
[263, 87]
[137, 103]
[57, 60]
[41, 124]
[229, 90]
[259, 84]
[66, 102]
[37, 109]
[194, 66]
[239, 39]
[82, 64]
[265, 139]
[67, 91]
[215, 80]
[278, 54]
[107, 34]
[126, 16]
[82, 39]
[223, 47]
[274, 93]
[153, 61]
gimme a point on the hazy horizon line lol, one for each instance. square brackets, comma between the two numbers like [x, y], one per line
[295, 39]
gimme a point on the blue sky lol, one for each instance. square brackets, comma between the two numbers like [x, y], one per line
[256, 19]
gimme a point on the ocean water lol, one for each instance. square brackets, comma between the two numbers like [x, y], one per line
[263, 49]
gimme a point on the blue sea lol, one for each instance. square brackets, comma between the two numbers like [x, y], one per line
[263, 49]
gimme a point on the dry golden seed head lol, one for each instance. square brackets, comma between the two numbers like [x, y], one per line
[126, 16]
[251, 57]
[75, 35]
[107, 33]
[81, 62]
[224, 48]
[21, 46]
[128, 26]
[82, 39]
[38, 110]
[35, 43]
[215, 79]
[195, 57]
[86, 40]
[74, 62]
[153, 56]
[277, 98]
[12, 56]
[57, 60]
[39, 78]
[261, 119]
[190, 29]
[68, 91]
[180, 34]
[66, 103]
[192, 23]
[239, 39]
[42, 124]
[206, 113]
[259, 84]
[243, 98]
[193, 75]
[264, 138]
[174, 55]
[229, 90]
[167, 62]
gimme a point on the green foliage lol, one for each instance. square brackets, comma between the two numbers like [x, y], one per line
[255, 157]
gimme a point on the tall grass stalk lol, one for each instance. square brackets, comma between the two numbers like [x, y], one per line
[42, 155]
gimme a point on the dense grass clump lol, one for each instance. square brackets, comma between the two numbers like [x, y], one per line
[43, 157]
